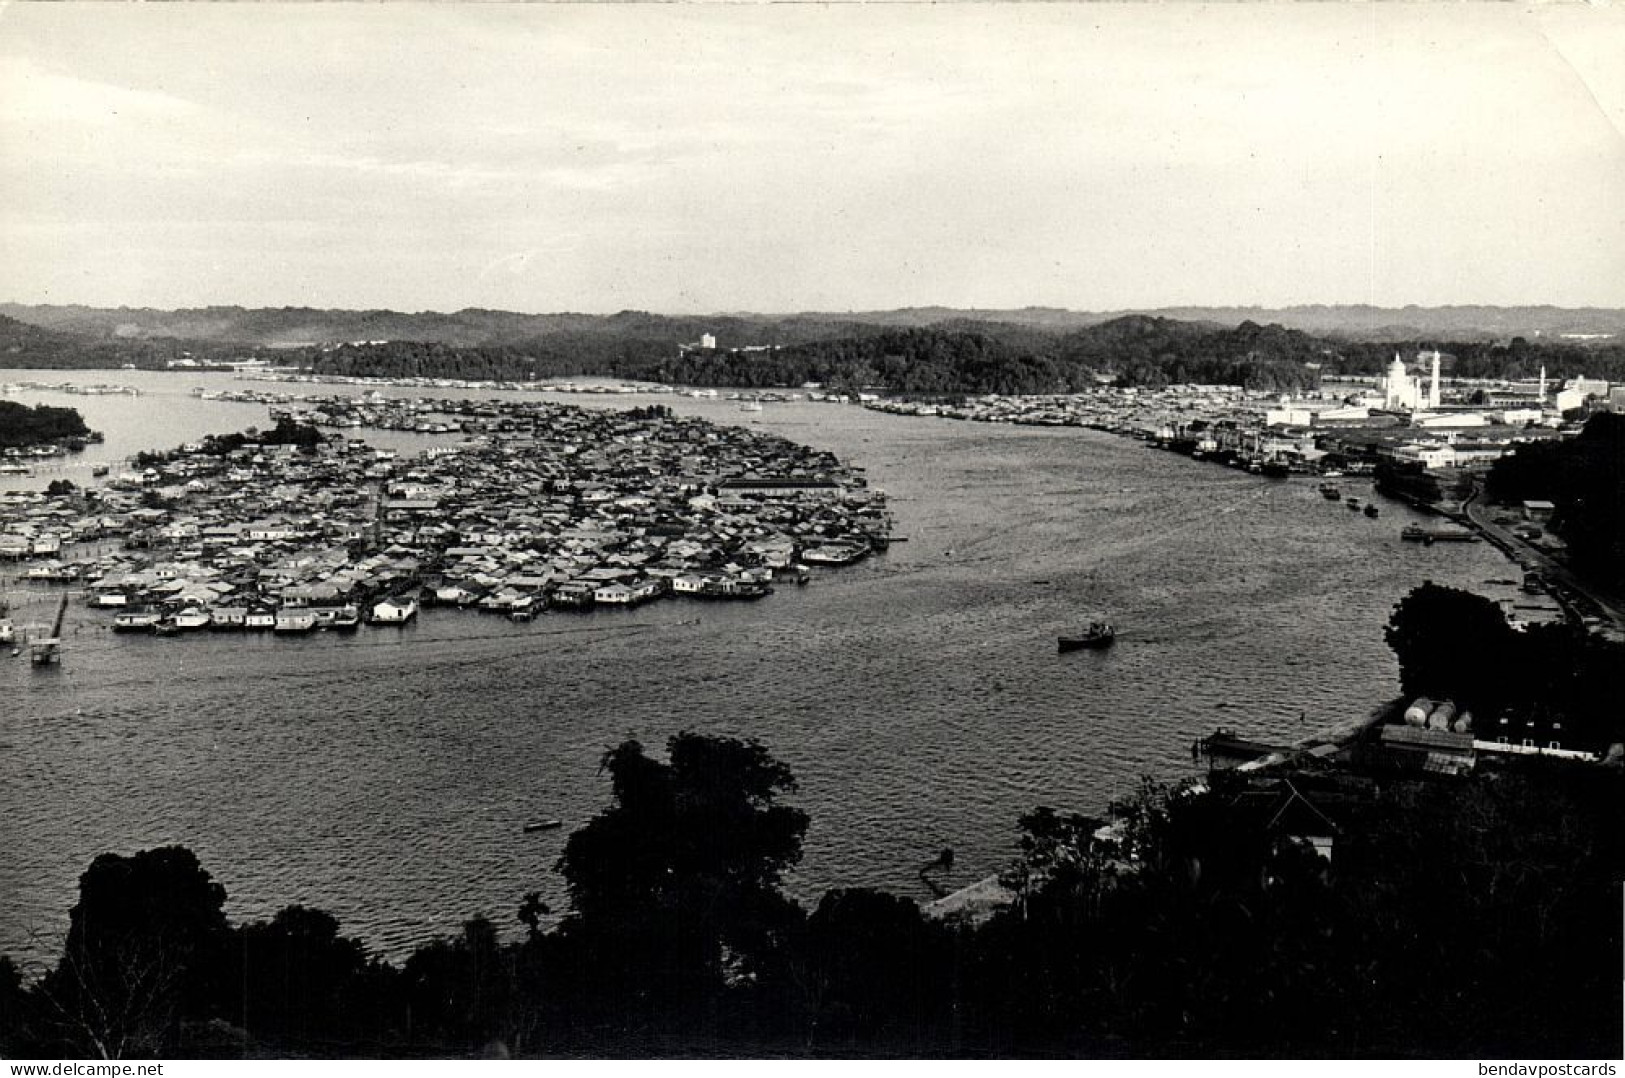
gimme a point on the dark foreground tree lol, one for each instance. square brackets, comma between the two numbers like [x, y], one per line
[876, 972]
[142, 956]
[1451, 644]
[295, 980]
[675, 888]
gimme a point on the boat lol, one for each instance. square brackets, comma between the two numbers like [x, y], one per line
[1330, 492]
[294, 620]
[543, 825]
[1415, 533]
[131, 621]
[1224, 748]
[1099, 635]
[834, 554]
[192, 618]
[395, 611]
[1352, 503]
[1371, 510]
[99, 470]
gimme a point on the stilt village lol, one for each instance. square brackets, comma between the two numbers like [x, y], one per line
[541, 506]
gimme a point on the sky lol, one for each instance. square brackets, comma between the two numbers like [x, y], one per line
[699, 158]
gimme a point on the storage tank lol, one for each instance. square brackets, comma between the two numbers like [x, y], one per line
[1442, 716]
[1463, 723]
[1417, 714]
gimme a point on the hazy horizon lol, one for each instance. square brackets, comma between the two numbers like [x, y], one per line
[712, 159]
[822, 312]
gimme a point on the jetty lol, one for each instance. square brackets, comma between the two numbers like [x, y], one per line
[48, 650]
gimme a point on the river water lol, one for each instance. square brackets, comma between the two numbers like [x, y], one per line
[386, 776]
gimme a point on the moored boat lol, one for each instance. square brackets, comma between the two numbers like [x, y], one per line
[130, 621]
[1100, 634]
[294, 621]
[1415, 533]
[192, 618]
[834, 553]
[395, 611]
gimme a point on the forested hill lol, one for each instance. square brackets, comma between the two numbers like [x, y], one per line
[962, 358]
[1039, 353]
[294, 326]
[23, 344]
[994, 358]
[21, 340]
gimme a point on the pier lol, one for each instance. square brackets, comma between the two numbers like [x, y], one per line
[47, 651]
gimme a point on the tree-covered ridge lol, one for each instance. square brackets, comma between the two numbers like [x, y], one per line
[956, 358]
[962, 357]
[475, 326]
[1584, 478]
[21, 425]
[933, 350]
[1474, 918]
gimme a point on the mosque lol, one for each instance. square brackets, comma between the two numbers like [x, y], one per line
[1402, 391]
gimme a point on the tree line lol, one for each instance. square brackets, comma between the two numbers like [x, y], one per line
[1584, 478]
[1455, 645]
[22, 426]
[948, 356]
[969, 357]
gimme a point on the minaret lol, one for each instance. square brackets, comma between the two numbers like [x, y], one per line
[1433, 390]
[1543, 383]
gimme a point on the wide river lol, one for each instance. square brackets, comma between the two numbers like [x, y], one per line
[386, 776]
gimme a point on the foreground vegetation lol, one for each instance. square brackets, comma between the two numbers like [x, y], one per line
[1585, 480]
[1454, 920]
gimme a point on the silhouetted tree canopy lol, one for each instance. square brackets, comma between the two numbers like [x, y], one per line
[1584, 478]
[1450, 644]
[21, 425]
